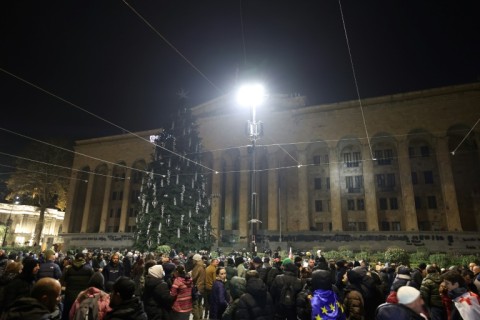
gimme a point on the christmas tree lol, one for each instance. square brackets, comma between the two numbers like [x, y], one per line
[174, 205]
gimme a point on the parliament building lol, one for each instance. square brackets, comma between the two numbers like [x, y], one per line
[403, 167]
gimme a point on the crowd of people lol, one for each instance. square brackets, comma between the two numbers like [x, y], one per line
[133, 285]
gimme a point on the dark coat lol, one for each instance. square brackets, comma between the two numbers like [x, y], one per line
[218, 300]
[111, 273]
[17, 288]
[288, 277]
[157, 299]
[49, 269]
[256, 303]
[129, 310]
[391, 311]
[28, 308]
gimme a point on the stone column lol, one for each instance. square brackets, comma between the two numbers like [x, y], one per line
[302, 213]
[88, 200]
[335, 190]
[273, 194]
[369, 187]
[216, 192]
[229, 187]
[408, 196]
[448, 185]
[71, 194]
[245, 196]
[125, 201]
[106, 201]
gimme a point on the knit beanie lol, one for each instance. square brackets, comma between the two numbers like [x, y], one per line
[407, 294]
[286, 261]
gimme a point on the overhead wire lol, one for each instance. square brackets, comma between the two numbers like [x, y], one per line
[465, 137]
[355, 80]
[172, 46]
[98, 117]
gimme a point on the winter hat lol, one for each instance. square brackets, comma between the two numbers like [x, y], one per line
[361, 270]
[354, 276]
[286, 261]
[321, 279]
[257, 260]
[237, 286]
[407, 294]
[403, 270]
[49, 253]
[168, 267]
[97, 280]
[156, 271]
[197, 257]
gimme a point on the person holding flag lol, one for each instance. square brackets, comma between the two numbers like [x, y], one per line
[324, 301]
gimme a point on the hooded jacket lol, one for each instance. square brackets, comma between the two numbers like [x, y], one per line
[256, 303]
[156, 298]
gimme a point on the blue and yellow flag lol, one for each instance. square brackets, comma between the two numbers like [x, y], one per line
[325, 306]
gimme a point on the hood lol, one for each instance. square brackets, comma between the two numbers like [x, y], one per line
[237, 286]
[257, 288]
[78, 263]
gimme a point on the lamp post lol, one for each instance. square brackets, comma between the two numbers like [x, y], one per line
[252, 95]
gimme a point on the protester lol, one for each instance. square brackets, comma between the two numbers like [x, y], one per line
[96, 287]
[125, 306]
[466, 302]
[182, 293]
[219, 298]
[409, 307]
[156, 296]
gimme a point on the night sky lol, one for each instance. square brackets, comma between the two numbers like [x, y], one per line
[100, 56]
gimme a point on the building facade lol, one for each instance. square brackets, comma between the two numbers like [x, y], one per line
[18, 222]
[401, 164]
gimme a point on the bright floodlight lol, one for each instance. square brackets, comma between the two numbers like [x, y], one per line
[251, 95]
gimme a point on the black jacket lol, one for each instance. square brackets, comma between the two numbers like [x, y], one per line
[156, 298]
[129, 310]
[28, 308]
[256, 303]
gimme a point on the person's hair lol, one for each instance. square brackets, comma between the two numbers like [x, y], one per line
[79, 256]
[251, 274]
[431, 269]
[125, 287]
[468, 272]
[217, 272]
[180, 270]
[454, 277]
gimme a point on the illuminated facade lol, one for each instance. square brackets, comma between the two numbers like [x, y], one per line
[21, 228]
[316, 171]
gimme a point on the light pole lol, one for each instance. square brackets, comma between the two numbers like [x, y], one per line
[252, 96]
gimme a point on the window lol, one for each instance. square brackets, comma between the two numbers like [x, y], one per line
[432, 202]
[352, 159]
[380, 180]
[383, 203]
[350, 204]
[358, 182]
[349, 182]
[114, 195]
[425, 151]
[362, 226]
[428, 176]
[318, 183]
[318, 206]
[119, 212]
[328, 183]
[111, 213]
[360, 204]
[120, 195]
[414, 178]
[316, 160]
[391, 180]
[384, 157]
[396, 226]
[393, 204]
[385, 226]
[134, 195]
[326, 159]
[137, 176]
[418, 203]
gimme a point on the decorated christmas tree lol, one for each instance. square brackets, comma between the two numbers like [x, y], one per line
[174, 204]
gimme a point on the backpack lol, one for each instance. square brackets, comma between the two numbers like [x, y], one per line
[88, 308]
[287, 295]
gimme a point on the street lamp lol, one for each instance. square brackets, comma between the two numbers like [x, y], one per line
[252, 96]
